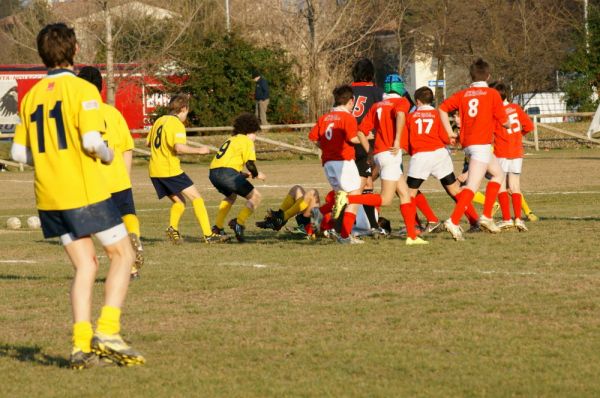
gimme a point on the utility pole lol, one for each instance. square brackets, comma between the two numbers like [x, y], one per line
[587, 32]
[227, 20]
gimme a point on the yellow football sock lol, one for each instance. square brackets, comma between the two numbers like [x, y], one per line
[243, 215]
[109, 321]
[132, 224]
[287, 203]
[202, 216]
[299, 206]
[82, 335]
[524, 205]
[224, 208]
[176, 212]
[479, 198]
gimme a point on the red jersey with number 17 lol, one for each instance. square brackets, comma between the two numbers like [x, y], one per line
[382, 118]
[479, 108]
[333, 132]
[508, 143]
[425, 131]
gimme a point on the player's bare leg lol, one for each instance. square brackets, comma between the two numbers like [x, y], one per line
[107, 340]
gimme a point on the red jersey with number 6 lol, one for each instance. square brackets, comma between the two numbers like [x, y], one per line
[508, 143]
[333, 132]
[382, 118]
[479, 108]
[425, 131]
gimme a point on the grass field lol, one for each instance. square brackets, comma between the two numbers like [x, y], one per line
[505, 315]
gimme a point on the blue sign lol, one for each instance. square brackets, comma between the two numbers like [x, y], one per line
[436, 83]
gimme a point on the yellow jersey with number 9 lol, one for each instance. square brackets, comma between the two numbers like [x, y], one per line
[118, 138]
[166, 131]
[234, 153]
[55, 114]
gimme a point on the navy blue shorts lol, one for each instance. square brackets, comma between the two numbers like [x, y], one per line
[229, 181]
[167, 186]
[81, 222]
[124, 201]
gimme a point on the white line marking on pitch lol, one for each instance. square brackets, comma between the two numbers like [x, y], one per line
[245, 265]
[18, 262]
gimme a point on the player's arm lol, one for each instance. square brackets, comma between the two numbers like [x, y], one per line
[251, 166]
[400, 123]
[94, 145]
[20, 150]
[367, 125]
[184, 149]
[499, 110]
[526, 123]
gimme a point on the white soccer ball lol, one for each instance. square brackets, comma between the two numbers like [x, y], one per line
[34, 222]
[13, 223]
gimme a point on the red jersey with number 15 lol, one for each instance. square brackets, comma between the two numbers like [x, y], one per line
[382, 118]
[508, 143]
[425, 131]
[479, 108]
[333, 132]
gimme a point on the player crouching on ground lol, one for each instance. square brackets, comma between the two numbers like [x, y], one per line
[166, 140]
[59, 133]
[117, 174]
[426, 143]
[299, 202]
[508, 148]
[335, 133]
[227, 176]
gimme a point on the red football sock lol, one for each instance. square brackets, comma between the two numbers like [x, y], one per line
[504, 201]
[471, 214]
[408, 211]
[424, 207]
[309, 229]
[464, 198]
[347, 224]
[369, 199]
[516, 199]
[326, 221]
[491, 192]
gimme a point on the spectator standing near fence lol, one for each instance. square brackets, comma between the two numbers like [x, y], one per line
[261, 96]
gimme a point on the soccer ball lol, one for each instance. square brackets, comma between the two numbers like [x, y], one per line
[13, 223]
[34, 222]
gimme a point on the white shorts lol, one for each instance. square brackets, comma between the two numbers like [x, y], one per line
[390, 166]
[342, 175]
[436, 163]
[107, 237]
[482, 153]
[513, 166]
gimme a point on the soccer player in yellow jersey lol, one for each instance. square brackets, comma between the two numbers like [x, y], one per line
[59, 133]
[227, 176]
[117, 174]
[166, 140]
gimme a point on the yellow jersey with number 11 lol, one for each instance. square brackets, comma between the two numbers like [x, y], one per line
[55, 114]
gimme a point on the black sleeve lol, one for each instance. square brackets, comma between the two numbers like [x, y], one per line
[252, 168]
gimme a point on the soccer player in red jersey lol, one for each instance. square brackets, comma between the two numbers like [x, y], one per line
[388, 119]
[335, 133]
[479, 108]
[508, 148]
[426, 144]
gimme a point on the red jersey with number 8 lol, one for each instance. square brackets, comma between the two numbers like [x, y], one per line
[479, 108]
[508, 143]
[333, 132]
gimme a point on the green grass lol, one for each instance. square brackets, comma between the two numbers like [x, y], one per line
[506, 315]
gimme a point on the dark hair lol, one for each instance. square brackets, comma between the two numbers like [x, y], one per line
[178, 102]
[246, 123]
[500, 88]
[363, 70]
[479, 70]
[56, 44]
[255, 73]
[92, 75]
[342, 94]
[385, 224]
[425, 95]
